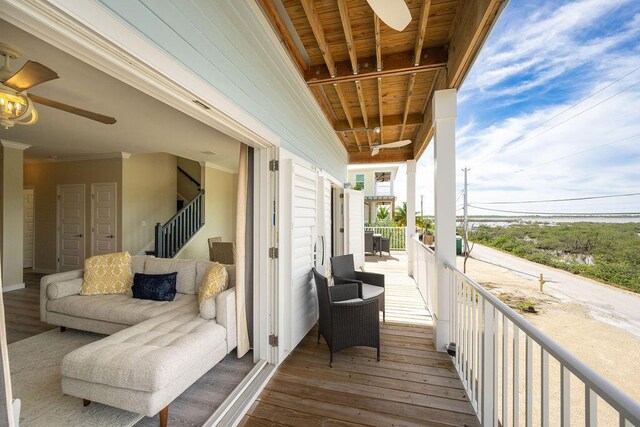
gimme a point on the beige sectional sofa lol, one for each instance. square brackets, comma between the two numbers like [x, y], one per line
[156, 349]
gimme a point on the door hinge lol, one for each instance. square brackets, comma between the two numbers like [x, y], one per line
[59, 196]
[274, 165]
[273, 253]
[342, 230]
[273, 340]
[93, 196]
[342, 196]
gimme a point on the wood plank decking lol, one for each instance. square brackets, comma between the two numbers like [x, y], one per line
[412, 385]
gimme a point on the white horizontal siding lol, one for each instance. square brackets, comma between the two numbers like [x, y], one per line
[224, 43]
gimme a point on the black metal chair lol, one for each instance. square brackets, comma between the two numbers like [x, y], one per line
[344, 271]
[346, 320]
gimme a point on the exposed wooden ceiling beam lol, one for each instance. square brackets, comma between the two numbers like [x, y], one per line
[394, 65]
[348, 34]
[376, 25]
[369, 138]
[312, 16]
[321, 97]
[281, 29]
[469, 32]
[363, 107]
[389, 121]
[426, 128]
[355, 136]
[430, 92]
[345, 105]
[380, 113]
[407, 103]
[422, 30]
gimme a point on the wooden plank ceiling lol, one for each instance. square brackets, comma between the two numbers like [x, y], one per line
[368, 77]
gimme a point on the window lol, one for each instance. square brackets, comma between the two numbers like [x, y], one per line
[359, 182]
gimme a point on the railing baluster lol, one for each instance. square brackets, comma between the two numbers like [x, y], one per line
[474, 345]
[488, 385]
[516, 376]
[505, 369]
[467, 344]
[544, 387]
[590, 407]
[565, 394]
[529, 383]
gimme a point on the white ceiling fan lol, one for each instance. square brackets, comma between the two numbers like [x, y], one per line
[394, 13]
[375, 150]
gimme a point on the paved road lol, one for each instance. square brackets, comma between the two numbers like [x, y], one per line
[609, 304]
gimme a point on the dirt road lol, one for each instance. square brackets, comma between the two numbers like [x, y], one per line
[605, 303]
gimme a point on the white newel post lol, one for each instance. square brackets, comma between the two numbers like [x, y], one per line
[444, 119]
[411, 213]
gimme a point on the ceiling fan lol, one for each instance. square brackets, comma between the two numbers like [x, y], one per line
[375, 149]
[394, 13]
[16, 105]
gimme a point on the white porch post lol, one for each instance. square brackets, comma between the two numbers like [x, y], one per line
[411, 212]
[444, 119]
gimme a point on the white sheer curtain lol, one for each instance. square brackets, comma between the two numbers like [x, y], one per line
[241, 227]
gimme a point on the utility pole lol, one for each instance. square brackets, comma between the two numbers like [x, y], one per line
[421, 208]
[465, 227]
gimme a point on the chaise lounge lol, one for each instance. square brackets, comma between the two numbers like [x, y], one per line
[155, 349]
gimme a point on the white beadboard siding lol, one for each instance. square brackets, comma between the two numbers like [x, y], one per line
[225, 44]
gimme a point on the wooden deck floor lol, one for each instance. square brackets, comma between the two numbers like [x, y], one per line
[412, 385]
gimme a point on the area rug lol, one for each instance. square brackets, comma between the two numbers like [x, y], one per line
[36, 378]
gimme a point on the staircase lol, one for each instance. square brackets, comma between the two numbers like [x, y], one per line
[172, 236]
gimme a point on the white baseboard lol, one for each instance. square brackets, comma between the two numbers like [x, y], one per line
[43, 270]
[13, 287]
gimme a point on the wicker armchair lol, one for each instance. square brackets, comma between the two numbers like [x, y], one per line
[368, 242]
[344, 271]
[385, 245]
[346, 320]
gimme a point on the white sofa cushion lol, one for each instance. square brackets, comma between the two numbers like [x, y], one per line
[186, 281]
[138, 262]
[64, 289]
[148, 356]
[120, 308]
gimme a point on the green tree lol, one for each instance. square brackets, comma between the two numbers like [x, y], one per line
[383, 212]
[400, 217]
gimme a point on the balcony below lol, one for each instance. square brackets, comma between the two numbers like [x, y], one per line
[412, 385]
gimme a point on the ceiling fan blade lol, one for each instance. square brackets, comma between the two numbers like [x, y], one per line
[396, 144]
[375, 151]
[31, 74]
[394, 13]
[73, 110]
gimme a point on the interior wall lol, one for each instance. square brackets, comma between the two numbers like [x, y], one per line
[219, 211]
[12, 216]
[149, 189]
[44, 179]
[186, 188]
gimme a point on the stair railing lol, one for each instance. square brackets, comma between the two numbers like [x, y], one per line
[172, 236]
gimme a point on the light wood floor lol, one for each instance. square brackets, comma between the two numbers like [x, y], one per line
[191, 408]
[412, 385]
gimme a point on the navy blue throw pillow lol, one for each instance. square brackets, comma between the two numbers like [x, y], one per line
[156, 287]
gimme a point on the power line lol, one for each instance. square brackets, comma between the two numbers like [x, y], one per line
[577, 153]
[558, 200]
[553, 213]
[505, 147]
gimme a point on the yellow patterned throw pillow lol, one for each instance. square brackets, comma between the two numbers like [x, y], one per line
[107, 274]
[215, 281]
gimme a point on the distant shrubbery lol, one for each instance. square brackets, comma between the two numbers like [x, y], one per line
[606, 252]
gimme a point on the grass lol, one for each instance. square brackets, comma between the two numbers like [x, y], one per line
[609, 253]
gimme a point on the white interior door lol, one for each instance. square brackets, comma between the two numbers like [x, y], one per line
[354, 225]
[71, 230]
[104, 238]
[299, 231]
[28, 229]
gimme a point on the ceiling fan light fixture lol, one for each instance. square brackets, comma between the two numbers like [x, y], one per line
[16, 108]
[394, 13]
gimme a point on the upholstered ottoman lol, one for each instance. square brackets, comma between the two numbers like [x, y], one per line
[144, 368]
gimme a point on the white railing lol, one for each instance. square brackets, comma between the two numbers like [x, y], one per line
[424, 264]
[502, 359]
[397, 236]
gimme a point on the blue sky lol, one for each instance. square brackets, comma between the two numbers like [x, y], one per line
[519, 128]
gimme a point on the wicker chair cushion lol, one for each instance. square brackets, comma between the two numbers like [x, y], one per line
[370, 291]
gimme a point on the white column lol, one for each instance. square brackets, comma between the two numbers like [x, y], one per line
[444, 119]
[411, 212]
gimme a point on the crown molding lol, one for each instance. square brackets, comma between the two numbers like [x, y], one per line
[211, 165]
[16, 145]
[102, 156]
